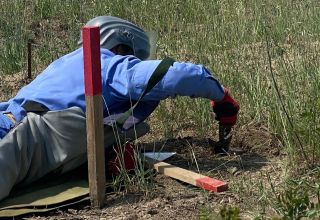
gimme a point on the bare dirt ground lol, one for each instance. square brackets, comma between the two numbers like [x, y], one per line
[257, 153]
[254, 155]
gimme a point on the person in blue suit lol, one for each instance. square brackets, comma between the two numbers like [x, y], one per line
[52, 106]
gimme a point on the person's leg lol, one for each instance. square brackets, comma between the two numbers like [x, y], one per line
[9, 166]
[69, 139]
[17, 150]
[52, 142]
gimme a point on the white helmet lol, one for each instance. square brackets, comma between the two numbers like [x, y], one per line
[115, 31]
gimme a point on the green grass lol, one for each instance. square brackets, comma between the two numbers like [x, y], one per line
[236, 39]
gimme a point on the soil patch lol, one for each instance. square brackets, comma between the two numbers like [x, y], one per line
[256, 152]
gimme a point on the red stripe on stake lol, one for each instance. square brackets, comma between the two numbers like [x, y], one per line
[212, 185]
[92, 64]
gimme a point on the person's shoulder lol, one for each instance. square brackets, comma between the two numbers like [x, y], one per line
[106, 52]
[74, 53]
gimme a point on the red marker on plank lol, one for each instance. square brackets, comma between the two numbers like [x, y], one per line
[94, 114]
[212, 185]
[193, 178]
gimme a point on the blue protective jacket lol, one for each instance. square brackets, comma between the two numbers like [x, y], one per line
[124, 78]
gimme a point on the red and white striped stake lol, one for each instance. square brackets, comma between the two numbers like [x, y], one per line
[94, 114]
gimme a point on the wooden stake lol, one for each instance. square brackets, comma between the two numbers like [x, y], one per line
[29, 59]
[187, 176]
[94, 115]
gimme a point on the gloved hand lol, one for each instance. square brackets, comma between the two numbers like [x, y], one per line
[226, 110]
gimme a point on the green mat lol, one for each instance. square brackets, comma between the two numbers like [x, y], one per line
[45, 195]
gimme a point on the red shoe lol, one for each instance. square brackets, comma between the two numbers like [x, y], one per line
[120, 158]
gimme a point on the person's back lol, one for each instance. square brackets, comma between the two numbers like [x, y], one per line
[61, 84]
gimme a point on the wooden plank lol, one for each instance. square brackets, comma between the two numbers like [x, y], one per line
[94, 115]
[187, 176]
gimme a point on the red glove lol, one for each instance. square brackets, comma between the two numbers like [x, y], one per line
[226, 110]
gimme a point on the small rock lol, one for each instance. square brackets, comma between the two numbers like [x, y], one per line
[232, 170]
[132, 217]
[72, 211]
[152, 212]
[237, 173]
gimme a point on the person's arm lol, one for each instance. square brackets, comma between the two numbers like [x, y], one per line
[182, 79]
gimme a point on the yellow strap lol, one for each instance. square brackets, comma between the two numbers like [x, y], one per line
[11, 118]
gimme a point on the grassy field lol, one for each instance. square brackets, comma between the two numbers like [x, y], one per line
[266, 52]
